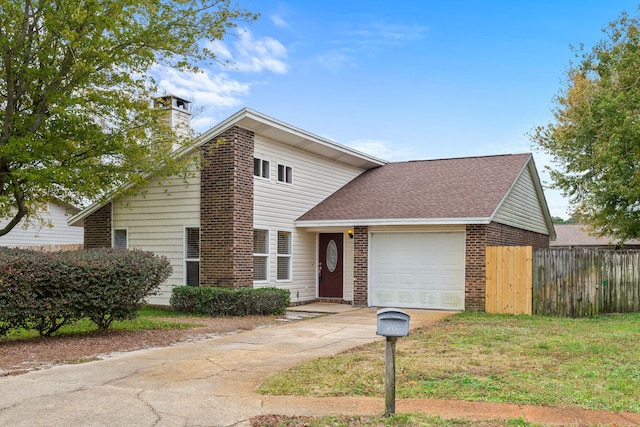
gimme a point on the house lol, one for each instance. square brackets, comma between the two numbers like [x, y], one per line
[577, 236]
[52, 230]
[274, 205]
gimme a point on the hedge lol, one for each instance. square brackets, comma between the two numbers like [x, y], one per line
[230, 301]
[45, 291]
[32, 296]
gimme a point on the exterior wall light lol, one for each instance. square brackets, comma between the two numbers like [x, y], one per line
[350, 233]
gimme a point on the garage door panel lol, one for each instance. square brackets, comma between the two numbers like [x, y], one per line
[406, 297]
[384, 297]
[406, 279]
[452, 301]
[418, 270]
[427, 278]
[427, 299]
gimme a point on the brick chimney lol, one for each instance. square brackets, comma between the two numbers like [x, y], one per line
[178, 114]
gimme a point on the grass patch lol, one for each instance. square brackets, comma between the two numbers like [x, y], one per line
[587, 363]
[149, 318]
[396, 420]
[162, 311]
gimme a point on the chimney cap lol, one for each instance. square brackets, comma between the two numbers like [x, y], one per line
[172, 101]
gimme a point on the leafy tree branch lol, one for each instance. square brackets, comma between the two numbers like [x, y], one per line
[594, 138]
[75, 93]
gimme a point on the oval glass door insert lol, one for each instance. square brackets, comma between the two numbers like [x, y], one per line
[332, 255]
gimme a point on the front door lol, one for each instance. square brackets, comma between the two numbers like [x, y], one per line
[330, 268]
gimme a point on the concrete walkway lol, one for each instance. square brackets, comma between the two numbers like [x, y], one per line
[213, 382]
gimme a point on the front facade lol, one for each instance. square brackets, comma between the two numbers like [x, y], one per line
[268, 207]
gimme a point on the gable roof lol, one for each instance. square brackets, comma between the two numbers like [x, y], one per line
[269, 128]
[449, 191]
[577, 235]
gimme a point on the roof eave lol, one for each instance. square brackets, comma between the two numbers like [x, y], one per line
[389, 221]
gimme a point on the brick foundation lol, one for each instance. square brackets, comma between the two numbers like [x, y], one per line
[226, 210]
[97, 228]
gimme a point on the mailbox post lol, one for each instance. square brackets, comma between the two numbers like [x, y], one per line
[392, 323]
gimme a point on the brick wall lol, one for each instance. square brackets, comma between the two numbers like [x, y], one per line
[478, 238]
[360, 266]
[226, 210]
[474, 274]
[506, 235]
[97, 228]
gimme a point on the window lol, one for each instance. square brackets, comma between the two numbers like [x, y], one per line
[260, 168]
[192, 255]
[260, 255]
[120, 238]
[284, 255]
[285, 174]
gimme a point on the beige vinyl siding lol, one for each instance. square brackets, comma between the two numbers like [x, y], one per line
[54, 232]
[156, 218]
[523, 208]
[348, 268]
[277, 205]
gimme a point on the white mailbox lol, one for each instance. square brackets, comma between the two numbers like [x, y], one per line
[393, 323]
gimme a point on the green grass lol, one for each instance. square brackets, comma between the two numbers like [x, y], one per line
[397, 420]
[588, 363]
[150, 317]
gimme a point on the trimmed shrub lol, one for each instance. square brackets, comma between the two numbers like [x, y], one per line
[44, 291]
[230, 301]
[33, 292]
[113, 284]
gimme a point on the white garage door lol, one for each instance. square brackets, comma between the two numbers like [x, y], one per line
[417, 270]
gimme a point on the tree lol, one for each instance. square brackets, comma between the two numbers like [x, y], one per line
[560, 220]
[594, 139]
[75, 90]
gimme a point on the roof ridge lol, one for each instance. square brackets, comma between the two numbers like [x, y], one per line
[485, 156]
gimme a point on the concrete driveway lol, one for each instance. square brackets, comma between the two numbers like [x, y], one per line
[206, 383]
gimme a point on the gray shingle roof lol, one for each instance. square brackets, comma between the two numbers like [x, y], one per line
[470, 187]
[577, 235]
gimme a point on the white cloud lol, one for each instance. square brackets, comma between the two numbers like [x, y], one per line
[279, 21]
[370, 38]
[335, 60]
[220, 49]
[210, 93]
[380, 149]
[217, 89]
[383, 33]
[248, 54]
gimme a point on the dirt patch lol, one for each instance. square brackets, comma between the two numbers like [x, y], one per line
[19, 357]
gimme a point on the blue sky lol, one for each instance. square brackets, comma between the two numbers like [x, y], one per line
[404, 79]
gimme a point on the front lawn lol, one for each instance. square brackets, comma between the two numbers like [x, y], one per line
[548, 361]
[149, 317]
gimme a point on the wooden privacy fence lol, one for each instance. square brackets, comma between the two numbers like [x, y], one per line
[508, 270]
[565, 282]
[584, 282]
